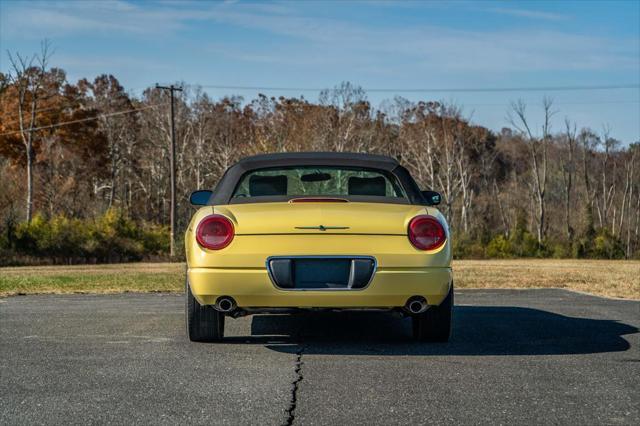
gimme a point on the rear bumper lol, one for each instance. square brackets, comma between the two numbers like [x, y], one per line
[252, 288]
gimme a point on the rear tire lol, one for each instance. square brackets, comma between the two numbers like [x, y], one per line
[434, 324]
[204, 323]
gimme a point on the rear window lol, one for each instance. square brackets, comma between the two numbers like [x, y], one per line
[312, 181]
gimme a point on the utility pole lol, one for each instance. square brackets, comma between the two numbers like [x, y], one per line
[172, 159]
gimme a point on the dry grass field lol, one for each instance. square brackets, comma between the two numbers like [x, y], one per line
[611, 278]
[599, 277]
[116, 278]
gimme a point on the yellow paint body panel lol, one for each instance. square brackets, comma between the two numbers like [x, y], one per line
[269, 229]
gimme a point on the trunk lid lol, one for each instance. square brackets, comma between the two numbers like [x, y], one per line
[320, 218]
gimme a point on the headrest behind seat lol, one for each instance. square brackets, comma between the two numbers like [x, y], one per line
[376, 186]
[267, 185]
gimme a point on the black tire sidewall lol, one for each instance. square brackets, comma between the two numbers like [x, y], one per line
[203, 322]
[435, 324]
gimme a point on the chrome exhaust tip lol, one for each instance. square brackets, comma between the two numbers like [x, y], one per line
[416, 305]
[225, 304]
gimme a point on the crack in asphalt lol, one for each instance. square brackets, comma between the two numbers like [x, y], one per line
[291, 411]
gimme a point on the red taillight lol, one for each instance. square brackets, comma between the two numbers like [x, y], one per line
[426, 233]
[215, 232]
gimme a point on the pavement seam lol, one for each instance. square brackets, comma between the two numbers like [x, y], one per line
[291, 411]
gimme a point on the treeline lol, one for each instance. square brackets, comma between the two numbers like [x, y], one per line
[523, 191]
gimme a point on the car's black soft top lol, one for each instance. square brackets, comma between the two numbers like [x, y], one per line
[224, 190]
[317, 159]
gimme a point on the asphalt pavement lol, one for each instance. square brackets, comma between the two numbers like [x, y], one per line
[516, 357]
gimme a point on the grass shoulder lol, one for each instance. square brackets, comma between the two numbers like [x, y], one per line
[610, 278]
[112, 278]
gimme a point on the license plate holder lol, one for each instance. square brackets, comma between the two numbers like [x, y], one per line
[321, 272]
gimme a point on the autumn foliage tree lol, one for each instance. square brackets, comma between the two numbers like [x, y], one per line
[89, 152]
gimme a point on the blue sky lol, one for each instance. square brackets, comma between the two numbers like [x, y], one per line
[375, 44]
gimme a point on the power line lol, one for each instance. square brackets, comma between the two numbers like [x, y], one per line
[595, 103]
[438, 90]
[82, 120]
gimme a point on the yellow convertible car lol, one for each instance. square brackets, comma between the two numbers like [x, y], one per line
[294, 231]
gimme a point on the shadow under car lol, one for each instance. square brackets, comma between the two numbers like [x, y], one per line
[477, 330]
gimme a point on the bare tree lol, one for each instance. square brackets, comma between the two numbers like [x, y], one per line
[419, 137]
[568, 170]
[465, 172]
[608, 184]
[588, 141]
[109, 97]
[538, 154]
[448, 177]
[636, 232]
[630, 171]
[28, 76]
[351, 105]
